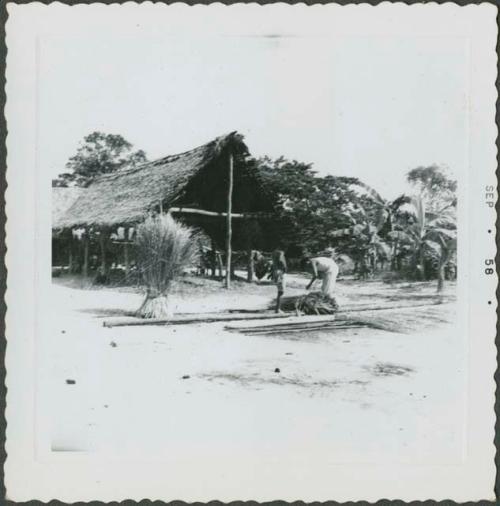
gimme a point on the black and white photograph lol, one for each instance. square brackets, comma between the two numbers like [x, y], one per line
[257, 252]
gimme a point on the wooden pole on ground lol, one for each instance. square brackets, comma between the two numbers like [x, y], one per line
[228, 222]
[200, 318]
[86, 253]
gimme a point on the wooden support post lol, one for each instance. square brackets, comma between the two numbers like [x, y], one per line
[213, 259]
[219, 264]
[250, 265]
[86, 253]
[70, 252]
[102, 243]
[125, 253]
[228, 222]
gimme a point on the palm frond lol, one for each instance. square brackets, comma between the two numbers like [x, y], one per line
[382, 248]
[403, 236]
[418, 205]
[381, 218]
[433, 247]
[372, 193]
[343, 232]
[447, 233]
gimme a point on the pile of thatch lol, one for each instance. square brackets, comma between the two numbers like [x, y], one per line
[313, 303]
[164, 249]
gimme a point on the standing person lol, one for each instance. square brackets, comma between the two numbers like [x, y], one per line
[278, 272]
[325, 268]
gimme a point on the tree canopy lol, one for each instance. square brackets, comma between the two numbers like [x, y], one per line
[434, 185]
[99, 153]
[310, 207]
[318, 212]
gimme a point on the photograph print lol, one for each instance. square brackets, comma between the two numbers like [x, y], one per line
[251, 253]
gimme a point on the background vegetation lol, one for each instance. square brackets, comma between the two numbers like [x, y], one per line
[412, 237]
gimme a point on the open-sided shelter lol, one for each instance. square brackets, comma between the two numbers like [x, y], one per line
[62, 200]
[194, 186]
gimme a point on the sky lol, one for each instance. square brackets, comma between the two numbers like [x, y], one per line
[371, 107]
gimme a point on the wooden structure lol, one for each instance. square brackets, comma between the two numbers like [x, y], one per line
[64, 244]
[211, 187]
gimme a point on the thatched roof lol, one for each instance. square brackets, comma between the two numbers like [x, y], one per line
[126, 196]
[62, 200]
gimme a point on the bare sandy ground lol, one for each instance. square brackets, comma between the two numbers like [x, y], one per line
[355, 395]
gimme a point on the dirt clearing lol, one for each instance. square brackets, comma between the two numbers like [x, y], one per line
[203, 388]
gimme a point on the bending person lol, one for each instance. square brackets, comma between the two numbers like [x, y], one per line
[325, 268]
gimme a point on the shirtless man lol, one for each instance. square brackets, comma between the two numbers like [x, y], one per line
[278, 273]
[324, 267]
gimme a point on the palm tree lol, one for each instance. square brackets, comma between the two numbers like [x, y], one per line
[368, 229]
[448, 247]
[431, 234]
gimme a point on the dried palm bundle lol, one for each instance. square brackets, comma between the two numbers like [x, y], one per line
[315, 303]
[164, 249]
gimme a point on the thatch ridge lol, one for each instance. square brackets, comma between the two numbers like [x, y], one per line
[126, 196]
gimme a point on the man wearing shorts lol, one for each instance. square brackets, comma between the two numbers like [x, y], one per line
[278, 274]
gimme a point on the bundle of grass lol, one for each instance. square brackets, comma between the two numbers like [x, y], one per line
[164, 249]
[314, 303]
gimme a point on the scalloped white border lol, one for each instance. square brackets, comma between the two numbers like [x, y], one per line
[29, 476]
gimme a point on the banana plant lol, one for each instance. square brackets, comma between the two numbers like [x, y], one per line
[429, 235]
[364, 236]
